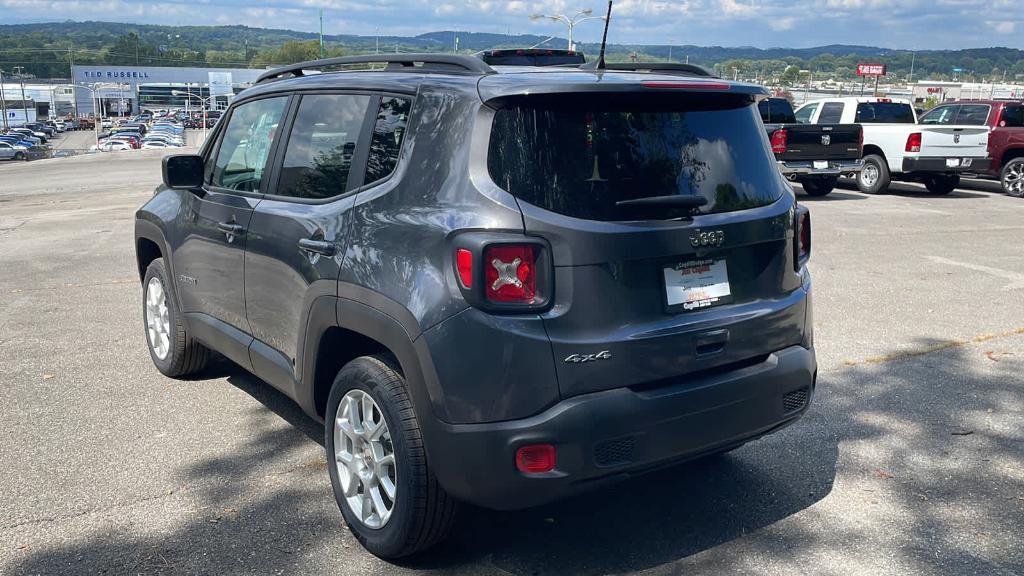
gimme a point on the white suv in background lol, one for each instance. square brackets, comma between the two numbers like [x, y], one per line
[897, 148]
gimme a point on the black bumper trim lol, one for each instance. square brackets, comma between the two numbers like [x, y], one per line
[918, 164]
[475, 462]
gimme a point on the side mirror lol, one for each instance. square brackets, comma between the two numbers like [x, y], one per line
[183, 171]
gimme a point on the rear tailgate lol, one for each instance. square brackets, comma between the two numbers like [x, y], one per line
[954, 141]
[822, 142]
[626, 312]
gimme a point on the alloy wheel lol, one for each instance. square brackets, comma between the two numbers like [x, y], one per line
[365, 459]
[1013, 179]
[158, 325]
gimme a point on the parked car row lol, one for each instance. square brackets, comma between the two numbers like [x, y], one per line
[28, 142]
[142, 133]
[971, 138]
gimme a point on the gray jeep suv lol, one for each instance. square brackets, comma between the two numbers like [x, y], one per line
[494, 285]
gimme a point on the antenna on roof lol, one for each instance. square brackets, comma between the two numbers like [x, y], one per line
[604, 37]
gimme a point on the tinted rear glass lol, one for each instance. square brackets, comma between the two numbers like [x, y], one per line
[884, 112]
[579, 158]
[776, 111]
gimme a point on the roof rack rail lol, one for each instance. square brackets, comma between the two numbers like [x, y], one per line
[450, 63]
[688, 69]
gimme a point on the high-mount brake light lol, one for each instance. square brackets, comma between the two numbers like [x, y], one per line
[914, 142]
[780, 141]
[684, 85]
[510, 273]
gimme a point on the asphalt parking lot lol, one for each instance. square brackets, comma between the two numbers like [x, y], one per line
[911, 461]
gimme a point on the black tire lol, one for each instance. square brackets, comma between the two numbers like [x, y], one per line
[185, 355]
[819, 185]
[941, 183]
[881, 182]
[1012, 178]
[19, 156]
[423, 513]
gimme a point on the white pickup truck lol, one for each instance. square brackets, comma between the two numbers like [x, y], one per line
[896, 147]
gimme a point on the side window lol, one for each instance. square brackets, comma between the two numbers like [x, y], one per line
[321, 145]
[388, 133]
[804, 114]
[973, 114]
[242, 156]
[1013, 117]
[831, 113]
[940, 115]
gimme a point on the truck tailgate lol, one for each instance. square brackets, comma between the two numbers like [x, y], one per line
[954, 141]
[821, 142]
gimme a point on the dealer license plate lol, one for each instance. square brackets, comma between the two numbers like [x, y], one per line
[820, 164]
[697, 284]
[952, 162]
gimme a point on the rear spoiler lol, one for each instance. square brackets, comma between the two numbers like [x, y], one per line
[498, 86]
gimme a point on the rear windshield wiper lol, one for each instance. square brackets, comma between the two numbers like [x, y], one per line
[673, 201]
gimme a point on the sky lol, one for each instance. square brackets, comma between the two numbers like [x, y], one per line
[904, 24]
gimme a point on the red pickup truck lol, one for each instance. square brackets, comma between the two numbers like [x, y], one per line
[1006, 135]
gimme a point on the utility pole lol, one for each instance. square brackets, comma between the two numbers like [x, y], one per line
[20, 71]
[321, 32]
[3, 100]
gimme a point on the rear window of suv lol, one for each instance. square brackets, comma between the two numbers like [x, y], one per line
[884, 113]
[579, 157]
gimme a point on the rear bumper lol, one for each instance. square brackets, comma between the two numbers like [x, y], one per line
[933, 164]
[609, 435]
[806, 167]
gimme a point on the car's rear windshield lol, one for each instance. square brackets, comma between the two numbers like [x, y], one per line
[884, 113]
[578, 156]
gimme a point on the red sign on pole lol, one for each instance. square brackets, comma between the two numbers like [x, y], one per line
[870, 69]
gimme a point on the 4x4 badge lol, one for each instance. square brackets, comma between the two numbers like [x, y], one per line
[581, 358]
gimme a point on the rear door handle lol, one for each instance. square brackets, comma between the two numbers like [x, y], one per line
[230, 228]
[318, 246]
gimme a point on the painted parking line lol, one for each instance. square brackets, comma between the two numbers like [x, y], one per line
[1017, 279]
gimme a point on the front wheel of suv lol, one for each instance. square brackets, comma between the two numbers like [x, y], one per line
[19, 156]
[873, 177]
[378, 467]
[1012, 178]
[173, 351]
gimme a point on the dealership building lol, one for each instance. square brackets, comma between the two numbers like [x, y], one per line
[124, 90]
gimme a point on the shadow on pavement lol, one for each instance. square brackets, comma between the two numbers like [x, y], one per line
[891, 426]
[908, 189]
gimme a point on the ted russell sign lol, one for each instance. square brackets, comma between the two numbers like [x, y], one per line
[115, 74]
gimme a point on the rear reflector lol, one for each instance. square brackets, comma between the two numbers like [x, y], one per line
[536, 458]
[914, 142]
[780, 140]
[511, 273]
[685, 85]
[804, 229]
[464, 264]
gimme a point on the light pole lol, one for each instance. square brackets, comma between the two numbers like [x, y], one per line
[807, 90]
[571, 23]
[202, 101]
[913, 56]
[96, 124]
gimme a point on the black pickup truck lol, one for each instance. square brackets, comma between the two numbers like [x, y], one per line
[814, 155]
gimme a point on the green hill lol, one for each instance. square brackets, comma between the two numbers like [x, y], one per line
[47, 49]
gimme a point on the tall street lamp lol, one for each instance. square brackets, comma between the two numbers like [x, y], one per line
[96, 99]
[202, 101]
[571, 23]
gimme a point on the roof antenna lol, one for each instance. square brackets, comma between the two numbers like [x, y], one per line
[604, 37]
